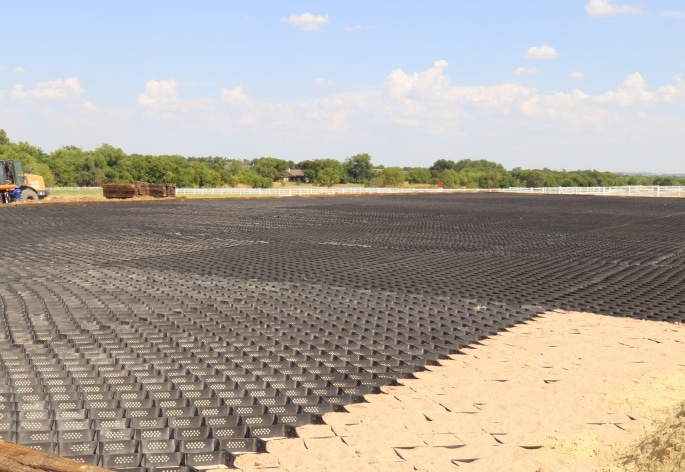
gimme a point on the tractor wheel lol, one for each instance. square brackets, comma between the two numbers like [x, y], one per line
[28, 195]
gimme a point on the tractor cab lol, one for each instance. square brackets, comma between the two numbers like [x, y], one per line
[16, 185]
[11, 173]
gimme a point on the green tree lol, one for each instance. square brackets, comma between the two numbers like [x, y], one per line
[494, 177]
[161, 169]
[531, 178]
[392, 177]
[24, 152]
[71, 166]
[248, 176]
[234, 166]
[328, 177]
[111, 154]
[270, 168]
[666, 181]
[440, 165]
[419, 175]
[332, 163]
[359, 168]
[469, 173]
[449, 178]
[33, 159]
[4, 140]
[477, 164]
[309, 169]
[201, 174]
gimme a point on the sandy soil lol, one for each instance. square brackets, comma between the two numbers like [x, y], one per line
[566, 392]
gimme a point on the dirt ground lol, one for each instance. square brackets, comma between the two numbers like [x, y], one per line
[566, 392]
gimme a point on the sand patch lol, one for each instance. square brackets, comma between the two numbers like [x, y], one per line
[568, 391]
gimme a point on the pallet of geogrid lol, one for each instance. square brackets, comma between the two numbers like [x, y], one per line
[139, 189]
[162, 190]
[119, 190]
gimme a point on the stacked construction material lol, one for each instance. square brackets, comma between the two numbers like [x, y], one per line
[139, 189]
[162, 190]
[143, 189]
[119, 190]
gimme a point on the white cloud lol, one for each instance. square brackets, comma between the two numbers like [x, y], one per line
[233, 108]
[159, 95]
[2, 68]
[161, 98]
[412, 98]
[606, 7]
[576, 75]
[431, 83]
[51, 91]
[61, 103]
[420, 103]
[408, 110]
[321, 82]
[235, 97]
[678, 15]
[335, 113]
[306, 21]
[543, 52]
[521, 71]
[239, 110]
[18, 70]
[635, 92]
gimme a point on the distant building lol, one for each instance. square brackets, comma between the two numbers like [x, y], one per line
[293, 175]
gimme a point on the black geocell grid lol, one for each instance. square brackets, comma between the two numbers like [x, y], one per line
[178, 334]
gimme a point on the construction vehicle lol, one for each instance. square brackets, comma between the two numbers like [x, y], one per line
[17, 185]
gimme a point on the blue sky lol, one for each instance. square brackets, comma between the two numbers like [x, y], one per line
[564, 84]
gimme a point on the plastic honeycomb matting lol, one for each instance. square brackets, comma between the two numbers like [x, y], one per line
[176, 335]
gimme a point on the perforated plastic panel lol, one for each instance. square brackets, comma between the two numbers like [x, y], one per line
[219, 325]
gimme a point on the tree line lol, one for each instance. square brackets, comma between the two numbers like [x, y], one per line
[70, 166]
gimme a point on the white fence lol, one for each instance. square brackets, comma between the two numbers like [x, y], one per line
[632, 190]
[629, 190]
[307, 191]
[74, 188]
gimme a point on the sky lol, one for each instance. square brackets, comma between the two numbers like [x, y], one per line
[562, 84]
